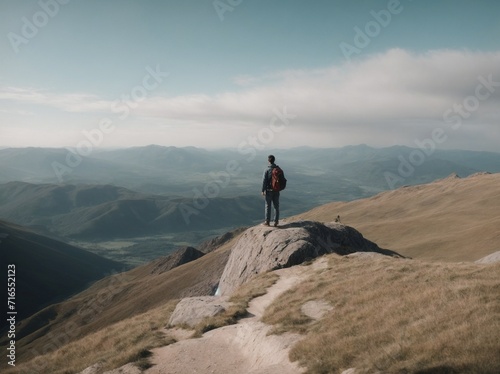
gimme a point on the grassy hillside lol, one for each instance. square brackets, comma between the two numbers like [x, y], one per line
[426, 315]
[112, 346]
[453, 219]
[395, 316]
[47, 270]
[386, 315]
[119, 297]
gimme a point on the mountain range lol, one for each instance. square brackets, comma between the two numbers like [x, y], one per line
[321, 174]
[136, 197]
[104, 212]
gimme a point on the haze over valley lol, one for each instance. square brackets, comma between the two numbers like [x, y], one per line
[135, 204]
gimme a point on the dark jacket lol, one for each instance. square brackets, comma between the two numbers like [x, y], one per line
[266, 179]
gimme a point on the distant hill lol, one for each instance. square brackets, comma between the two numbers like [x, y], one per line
[188, 159]
[151, 169]
[36, 165]
[47, 271]
[322, 175]
[98, 212]
[452, 219]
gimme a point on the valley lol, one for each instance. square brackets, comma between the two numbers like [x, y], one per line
[135, 204]
[48, 270]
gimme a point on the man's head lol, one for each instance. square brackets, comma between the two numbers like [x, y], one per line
[271, 159]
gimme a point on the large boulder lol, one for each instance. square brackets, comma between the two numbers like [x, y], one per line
[192, 310]
[263, 248]
[490, 259]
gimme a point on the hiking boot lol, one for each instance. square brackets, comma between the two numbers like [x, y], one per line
[266, 223]
[276, 224]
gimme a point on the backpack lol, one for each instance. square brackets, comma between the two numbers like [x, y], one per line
[278, 180]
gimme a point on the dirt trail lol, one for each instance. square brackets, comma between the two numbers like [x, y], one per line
[244, 348]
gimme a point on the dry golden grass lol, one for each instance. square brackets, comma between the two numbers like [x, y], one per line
[396, 316]
[449, 220]
[119, 297]
[114, 346]
[389, 315]
[131, 340]
[240, 299]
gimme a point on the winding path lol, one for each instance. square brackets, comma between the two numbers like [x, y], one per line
[243, 348]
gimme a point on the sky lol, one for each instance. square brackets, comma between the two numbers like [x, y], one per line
[271, 73]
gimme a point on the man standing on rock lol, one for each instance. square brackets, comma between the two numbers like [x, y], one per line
[271, 195]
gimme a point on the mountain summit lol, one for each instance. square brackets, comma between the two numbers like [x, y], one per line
[262, 248]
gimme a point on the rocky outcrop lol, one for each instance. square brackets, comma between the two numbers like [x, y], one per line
[192, 310]
[263, 248]
[211, 244]
[490, 259]
[180, 257]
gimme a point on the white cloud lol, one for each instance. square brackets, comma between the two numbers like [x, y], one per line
[384, 98]
[396, 85]
[72, 102]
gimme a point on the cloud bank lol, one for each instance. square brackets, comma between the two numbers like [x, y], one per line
[384, 99]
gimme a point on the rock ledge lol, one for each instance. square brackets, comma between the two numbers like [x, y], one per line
[263, 248]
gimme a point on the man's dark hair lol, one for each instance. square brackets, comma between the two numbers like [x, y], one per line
[271, 159]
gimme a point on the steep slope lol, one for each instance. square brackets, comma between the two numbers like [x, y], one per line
[452, 219]
[119, 297]
[47, 270]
